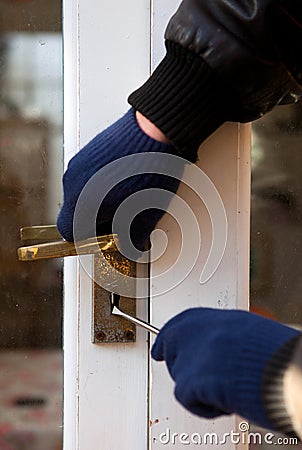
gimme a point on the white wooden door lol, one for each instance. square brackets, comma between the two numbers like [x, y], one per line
[115, 397]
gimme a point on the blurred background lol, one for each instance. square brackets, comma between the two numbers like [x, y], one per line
[276, 215]
[276, 219]
[31, 152]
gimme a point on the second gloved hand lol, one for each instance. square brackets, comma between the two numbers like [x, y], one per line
[217, 359]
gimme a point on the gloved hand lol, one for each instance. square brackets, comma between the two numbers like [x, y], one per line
[121, 139]
[217, 359]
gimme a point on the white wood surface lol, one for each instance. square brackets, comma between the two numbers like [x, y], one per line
[107, 51]
[113, 59]
[225, 159]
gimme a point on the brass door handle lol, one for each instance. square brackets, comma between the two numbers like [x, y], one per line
[57, 247]
[37, 233]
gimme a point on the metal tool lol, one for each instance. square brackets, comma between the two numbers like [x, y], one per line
[116, 311]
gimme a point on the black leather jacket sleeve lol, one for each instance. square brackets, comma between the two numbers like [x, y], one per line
[246, 53]
[242, 41]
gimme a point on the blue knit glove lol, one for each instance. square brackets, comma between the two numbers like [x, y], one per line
[217, 359]
[121, 139]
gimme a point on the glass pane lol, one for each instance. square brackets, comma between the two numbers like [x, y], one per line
[30, 194]
[276, 217]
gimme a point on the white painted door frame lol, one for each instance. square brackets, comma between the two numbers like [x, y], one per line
[108, 397]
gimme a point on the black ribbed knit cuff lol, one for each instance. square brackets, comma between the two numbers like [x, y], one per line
[273, 387]
[184, 99]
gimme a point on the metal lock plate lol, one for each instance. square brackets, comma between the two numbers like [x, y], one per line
[108, 328]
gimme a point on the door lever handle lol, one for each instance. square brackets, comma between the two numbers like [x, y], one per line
[114, 298]
[57, 247]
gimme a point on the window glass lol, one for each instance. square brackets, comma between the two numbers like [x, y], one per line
[276, 218]
[30, 194]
